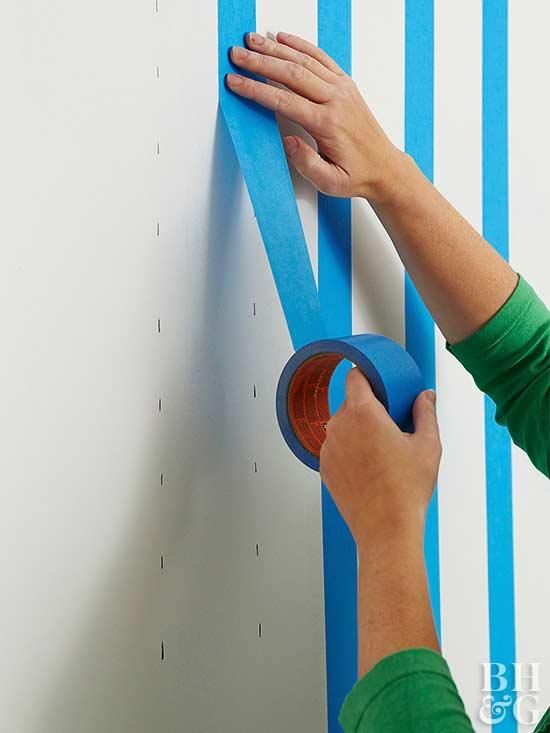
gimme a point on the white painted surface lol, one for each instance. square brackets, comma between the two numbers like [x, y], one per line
[84, 278]
[378, 70]
[457, 173]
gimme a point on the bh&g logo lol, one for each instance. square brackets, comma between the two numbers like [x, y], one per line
[500, 702]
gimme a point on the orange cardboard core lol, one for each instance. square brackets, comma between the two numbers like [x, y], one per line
[308, 406]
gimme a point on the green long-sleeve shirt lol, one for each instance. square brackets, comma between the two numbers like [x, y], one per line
[509, 359]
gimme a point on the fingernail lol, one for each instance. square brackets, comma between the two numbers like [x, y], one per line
[284, 36]
[290, 145]
[239, 53]
[256, 39]
[431, 396]
[234, 80]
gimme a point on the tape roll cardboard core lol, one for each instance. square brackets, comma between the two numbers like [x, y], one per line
[308, 400]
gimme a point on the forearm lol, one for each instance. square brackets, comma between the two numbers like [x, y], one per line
[461, 278]
[394, 605]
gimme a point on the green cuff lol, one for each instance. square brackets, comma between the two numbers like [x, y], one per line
[389, 670]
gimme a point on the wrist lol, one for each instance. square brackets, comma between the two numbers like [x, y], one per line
[395, 179]
[384, 526]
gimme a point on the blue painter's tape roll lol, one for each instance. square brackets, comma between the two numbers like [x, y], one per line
[303, 389]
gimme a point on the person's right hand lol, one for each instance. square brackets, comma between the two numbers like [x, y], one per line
[354, 156]
[381, 478]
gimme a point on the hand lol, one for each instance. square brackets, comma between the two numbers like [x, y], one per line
[381, 479]
[355, 157]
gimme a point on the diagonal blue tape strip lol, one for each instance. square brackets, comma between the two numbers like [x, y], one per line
[334, 258]
[419, 142]
[498, 460]
[258, 145]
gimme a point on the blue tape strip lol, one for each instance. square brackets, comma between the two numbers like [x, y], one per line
[334, 263]
[419, 142]
[498, 464]
[258, 145]
[394, 376]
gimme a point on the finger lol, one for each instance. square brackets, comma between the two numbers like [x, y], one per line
[358, 389]
[290, 105]
[299, 44]
[267, 46]
[325, 176]
[293, 76]
[425, 417]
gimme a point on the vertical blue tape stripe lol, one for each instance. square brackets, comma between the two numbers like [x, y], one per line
[258, 145]
[334, 262]
[419, 142]
[498, 463]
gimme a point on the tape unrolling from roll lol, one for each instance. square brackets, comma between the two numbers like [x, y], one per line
[303, 388]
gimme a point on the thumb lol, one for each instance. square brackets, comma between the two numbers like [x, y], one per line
[424, 416]
[311, 166]
[358, 389]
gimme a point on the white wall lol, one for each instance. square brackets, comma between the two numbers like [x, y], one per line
[86, 519]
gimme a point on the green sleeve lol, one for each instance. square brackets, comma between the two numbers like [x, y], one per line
[544, 724]
[410, 690]
[509, 359]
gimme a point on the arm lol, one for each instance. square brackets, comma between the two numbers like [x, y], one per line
[382, 481]
[460, 277]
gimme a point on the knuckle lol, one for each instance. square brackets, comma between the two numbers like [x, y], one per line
[257, 60]
[319, 119]
[347, 83]
[297, 72]
[434, 451]
[250, 90]
[329, 119]
[305, 60]
[283, 100]
[276, 49]
[345, 88]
